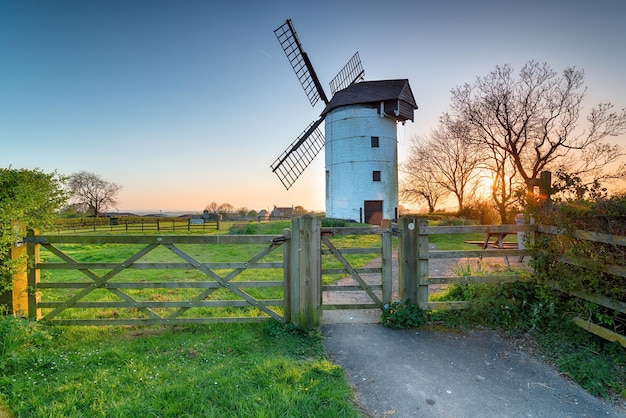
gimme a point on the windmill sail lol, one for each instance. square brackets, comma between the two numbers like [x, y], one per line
[297, 157]
[349, 74]
[300, 63]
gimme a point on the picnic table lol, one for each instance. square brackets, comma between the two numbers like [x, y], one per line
[499, 243]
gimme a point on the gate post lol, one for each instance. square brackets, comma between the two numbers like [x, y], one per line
[32, 249]
[387, 262]
[305, 272]
[413, 260]
[14, 296]
[287, 276]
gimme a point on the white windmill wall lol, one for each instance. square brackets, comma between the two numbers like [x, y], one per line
[351, 159]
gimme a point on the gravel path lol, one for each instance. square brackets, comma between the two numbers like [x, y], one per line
[436, 267]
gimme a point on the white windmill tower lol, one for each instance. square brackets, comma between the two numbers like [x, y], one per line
[361, 136]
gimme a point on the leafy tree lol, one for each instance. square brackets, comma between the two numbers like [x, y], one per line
[534, 119]
[29, 196]
[92, 192]
[299, 210]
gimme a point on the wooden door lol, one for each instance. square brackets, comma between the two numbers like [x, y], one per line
[373, 212]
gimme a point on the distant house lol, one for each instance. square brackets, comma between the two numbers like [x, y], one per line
[263, 215]
[281, 213]
[209, 216]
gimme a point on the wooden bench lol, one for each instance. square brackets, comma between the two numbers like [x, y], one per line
[497, 244]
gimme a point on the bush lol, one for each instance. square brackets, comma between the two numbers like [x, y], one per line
[243, 229]
[607, 215]
[480, 211]
[454, 221]
[335, 223]
[405, 315]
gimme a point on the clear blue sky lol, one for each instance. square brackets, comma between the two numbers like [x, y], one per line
[185, 102]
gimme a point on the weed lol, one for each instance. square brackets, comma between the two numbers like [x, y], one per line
[397, 315]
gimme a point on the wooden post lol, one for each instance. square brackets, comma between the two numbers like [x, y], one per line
[422, 263]
[287, 276]
[387, 262]
[413, 261]
[305, 265]
[32, 250]
[15, 297]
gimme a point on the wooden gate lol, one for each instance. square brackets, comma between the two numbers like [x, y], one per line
[116, 293]
[356, 278]
[72, 280]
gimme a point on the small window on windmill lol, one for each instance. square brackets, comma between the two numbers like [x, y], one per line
[376, 175]
[375, 142]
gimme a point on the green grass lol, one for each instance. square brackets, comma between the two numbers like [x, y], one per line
[230, 370]
[458, 242]
[203, 253]
[234, 370]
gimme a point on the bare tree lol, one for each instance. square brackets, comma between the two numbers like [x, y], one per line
[211, 207]
[93, 192]
[505, 182]
[534, 118]
[446, 160]
[422, 182]
[225, 208]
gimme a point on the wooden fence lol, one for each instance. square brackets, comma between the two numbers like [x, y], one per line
[136, 224]
[304, 246]
[105, 292]
[612, 268]
[415, 254]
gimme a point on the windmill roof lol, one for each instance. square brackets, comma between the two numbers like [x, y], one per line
[372, 92]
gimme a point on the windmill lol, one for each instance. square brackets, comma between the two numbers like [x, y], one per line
[361, 139]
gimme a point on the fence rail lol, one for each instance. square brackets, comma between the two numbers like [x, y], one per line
[299, 269]
[617, 270]
[415, 254]
[136, 224]
[132, 302]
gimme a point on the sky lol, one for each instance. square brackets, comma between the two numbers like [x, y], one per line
[184, 103]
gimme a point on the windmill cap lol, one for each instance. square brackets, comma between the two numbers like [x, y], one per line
[395, 94]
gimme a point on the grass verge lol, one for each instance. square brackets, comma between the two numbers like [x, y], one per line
[527, 314]
[262, 370]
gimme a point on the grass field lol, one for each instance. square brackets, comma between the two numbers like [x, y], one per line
[234, 370]
[203, 253]
[221, 370]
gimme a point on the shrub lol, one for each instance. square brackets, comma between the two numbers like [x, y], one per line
[335, 223]
[454, 221]
[481, 211]
[405, 315]
[243, 229]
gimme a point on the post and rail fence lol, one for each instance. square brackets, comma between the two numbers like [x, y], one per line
[300, 264]
[136, 224]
